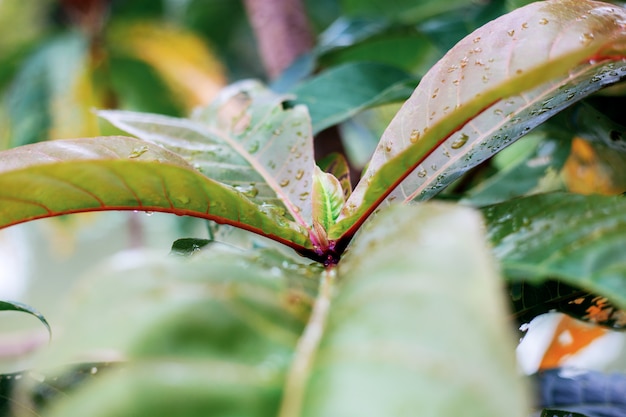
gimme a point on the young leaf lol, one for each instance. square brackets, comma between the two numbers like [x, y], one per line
[490, 89]
[336, 164]
[17, 306]
[244, 139]
[573, 238]
[417, 296]
[328, 198]
[118, 173]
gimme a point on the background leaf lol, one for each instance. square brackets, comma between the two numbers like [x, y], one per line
[451, 123]
[343, 91]
[17, 306]
[573, 238]
[117, 173]
[405, 318]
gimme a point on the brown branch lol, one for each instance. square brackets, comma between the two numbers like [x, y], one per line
[282, 30]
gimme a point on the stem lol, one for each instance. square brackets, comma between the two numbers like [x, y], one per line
[282, 30]
[306, 350]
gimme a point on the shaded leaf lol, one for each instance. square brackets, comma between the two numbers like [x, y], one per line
[340, 92]
[417, 294]
[560, 413]
[182, 59]
[490, 89]
[17, 306]
[403, 10]
[245, 140]
[522, 177]
[595, 168]
[117, 173]
[573, 238]
[188, 246]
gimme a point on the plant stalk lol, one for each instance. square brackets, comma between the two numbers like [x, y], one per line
[306, 350]
[282, 30]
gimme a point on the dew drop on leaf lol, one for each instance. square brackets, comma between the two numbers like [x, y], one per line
[149, 213]
[459, 142]
[299, 174]
[137, 152]
[544, 21]
[284, 183]
[586, 38]
[422, 172]
[254, 146]
[511, 32]
[415, 136]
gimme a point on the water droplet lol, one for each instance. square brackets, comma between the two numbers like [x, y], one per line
[518, 71]
[149, 213]
[455, 82]
[464, 62]
[254, 146]
[525, 25]
[182, 199]
[452, 68]
[498, 112]
[137, 152]
[299, 174]
[477, 50]
[422, 172]
[586, 38]
[284, 183]
[476, 39]
[511, 32]
[485, 79]
[304, 196]
[459, 142]
[544, 21]
[388, 146]
[433, 167]
[435, 92]
[415, 136]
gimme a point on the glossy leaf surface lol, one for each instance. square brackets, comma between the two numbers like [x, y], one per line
[573, 238]
[417, 295]
[244, 139]
[118, 173]
[492, 87]
[24, 308]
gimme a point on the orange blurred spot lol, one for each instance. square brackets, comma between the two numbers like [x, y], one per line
[570, 337]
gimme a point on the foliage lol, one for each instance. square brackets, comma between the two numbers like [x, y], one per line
[375, 302]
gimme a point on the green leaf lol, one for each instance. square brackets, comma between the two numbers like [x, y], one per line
[17, 306]
[522, 177]
[328, 198]
[490, 89]
[118, 173]
[336, 164]
[245, 140]
[417, 296]
[188, 246]
[214, 332]
[559, 413]
[573, 238]
[341, 92]
[403, 10]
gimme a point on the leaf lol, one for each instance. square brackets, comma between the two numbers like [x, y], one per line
[490, 89]
[117, 173]
[245, 140]
[417, 296]
[595, 168]
[404, 10]
[188, 246]
[573, 238]
[525, 176]
[340, 92]
[210, 333]
[328, 198]
[17, 306]
[182, 59]
[337, 165]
